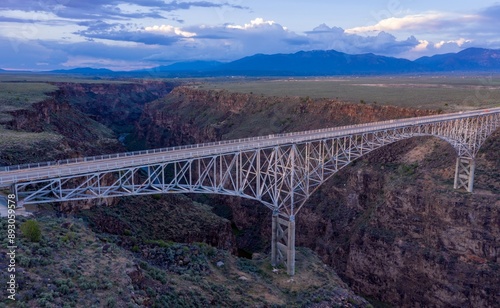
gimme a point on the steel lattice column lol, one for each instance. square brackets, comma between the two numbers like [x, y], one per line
[464, 173]
[283, 241]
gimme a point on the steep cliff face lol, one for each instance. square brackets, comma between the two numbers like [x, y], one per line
[116, 105]
[396, 230]
[82, 119]
[75, 134]
[188, 115]
[390, 224]
[78, 119]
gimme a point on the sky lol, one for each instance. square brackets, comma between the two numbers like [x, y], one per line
[136, 34]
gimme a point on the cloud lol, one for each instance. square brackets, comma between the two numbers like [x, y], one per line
[230, 42]
[430, 20]
[491, 13]
[110, 9]
[257, 22]
[441, 32]
[422, 46]
[146, 32]
[459, 43]
[170, 30]
[21, 54]
[429, 48]
[447, 25]
[47, 55]
[151, 35]
[324, 37]
[164, 44]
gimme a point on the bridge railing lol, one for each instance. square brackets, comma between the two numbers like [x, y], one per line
[176, 148]
[343, 130]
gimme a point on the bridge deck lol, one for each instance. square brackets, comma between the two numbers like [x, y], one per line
[14, 174]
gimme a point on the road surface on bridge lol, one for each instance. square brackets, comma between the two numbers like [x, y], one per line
[15, 174]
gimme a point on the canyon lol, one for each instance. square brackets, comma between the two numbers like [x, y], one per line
[390, 224]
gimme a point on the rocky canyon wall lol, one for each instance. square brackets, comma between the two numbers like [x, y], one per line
[390, 224]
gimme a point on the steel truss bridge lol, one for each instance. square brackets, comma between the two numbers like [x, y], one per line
[281, 171]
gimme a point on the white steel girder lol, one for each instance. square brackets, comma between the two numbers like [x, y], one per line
[282, 177]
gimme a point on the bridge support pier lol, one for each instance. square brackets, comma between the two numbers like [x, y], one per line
[283, 241]
[464, 173]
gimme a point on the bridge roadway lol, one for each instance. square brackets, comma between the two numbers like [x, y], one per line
[15, 174]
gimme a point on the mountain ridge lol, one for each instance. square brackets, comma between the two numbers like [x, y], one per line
[314, 63]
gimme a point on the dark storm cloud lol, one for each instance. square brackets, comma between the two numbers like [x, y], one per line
[107, 9]
[138, 37]
[174, 5]
[99, 26]
[122, 32]
[145, 37]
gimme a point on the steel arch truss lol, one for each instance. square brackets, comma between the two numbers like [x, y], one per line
[281, 176]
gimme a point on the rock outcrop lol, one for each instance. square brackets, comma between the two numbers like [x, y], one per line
[115, 104]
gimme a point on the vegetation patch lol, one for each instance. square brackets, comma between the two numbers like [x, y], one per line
[31, 230]
[21, 95]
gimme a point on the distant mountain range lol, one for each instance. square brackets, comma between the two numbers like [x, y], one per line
[316, 63]
[470, 59]
[320, 63]
[84, 71]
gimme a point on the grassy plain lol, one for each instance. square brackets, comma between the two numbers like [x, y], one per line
[17, 95]
[48, 78]
[448, 93]
[20, 91]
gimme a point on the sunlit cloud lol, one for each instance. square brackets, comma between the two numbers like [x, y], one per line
[257, 22]
[459, 42]
[170, 30]
[410, 22]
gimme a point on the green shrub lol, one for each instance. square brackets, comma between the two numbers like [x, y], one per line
[68, 237]
[31, 230]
